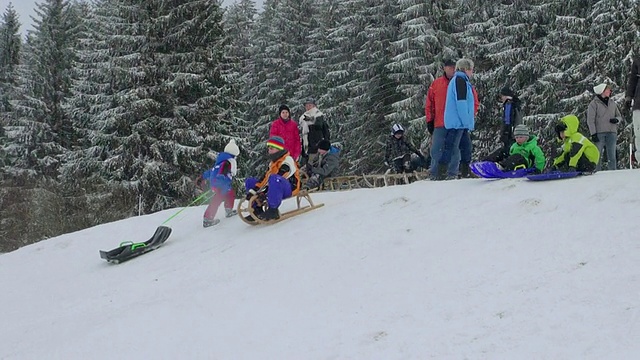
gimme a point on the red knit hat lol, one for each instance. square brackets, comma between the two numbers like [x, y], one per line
[276, 142]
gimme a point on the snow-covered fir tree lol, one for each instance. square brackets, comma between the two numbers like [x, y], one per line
[372, 89]
[41, 130]
[614, 27]
[281, 39]
[424, 41]
[503, 39]
[239, 24]
[10, 46]
[167, 99]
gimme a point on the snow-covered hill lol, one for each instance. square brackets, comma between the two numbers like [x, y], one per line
[467, 269]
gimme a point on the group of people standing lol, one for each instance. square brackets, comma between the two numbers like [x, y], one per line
[290, 145]
[450, 109]
[452, 104]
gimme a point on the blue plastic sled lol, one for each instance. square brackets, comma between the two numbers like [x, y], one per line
[554, 175]
[490, 170]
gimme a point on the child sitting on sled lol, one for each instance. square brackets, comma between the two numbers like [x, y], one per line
[578, 153]
[219, 179]
[524, 153]
[281, 181]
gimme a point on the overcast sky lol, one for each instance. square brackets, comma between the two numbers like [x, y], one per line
[25, 9]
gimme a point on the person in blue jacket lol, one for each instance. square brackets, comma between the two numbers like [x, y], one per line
[459, 118]
[219, 179]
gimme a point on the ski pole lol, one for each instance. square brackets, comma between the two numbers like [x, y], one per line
[202, 196]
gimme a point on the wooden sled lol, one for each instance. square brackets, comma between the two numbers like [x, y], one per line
[388, 179]
[334, 183]
[248, 209]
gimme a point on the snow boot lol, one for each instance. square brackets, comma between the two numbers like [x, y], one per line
[257, 212]
[442, 172]
[465, 171]
[230, 212]
[271, 214]
[209, 222]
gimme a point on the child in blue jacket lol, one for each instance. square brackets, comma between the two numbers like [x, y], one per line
[219, 178]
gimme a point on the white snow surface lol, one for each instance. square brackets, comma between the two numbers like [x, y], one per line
[466, 269]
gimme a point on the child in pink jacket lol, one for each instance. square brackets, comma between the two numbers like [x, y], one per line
[287, 129]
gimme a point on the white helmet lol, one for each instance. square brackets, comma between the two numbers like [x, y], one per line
[395, 128]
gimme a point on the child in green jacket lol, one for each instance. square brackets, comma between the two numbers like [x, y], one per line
[578, 153]
[523, 154]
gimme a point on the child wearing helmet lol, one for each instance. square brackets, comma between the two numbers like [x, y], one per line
[398, 152]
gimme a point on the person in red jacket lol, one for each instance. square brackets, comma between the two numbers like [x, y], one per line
[434, 112]
[287, 129]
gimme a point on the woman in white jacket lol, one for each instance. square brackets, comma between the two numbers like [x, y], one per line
[603, 117]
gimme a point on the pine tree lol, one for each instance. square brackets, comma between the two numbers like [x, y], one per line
[505, 40]
[165, 105]
[373, 90]
[239, 23]
[424, 41]
[614, 26]
[42, 130]
[10, 47]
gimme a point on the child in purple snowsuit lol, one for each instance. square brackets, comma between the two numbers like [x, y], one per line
[219, 178]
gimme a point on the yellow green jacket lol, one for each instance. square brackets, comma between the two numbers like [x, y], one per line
[575, 144]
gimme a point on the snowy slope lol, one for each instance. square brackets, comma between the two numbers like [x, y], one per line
[467, 269]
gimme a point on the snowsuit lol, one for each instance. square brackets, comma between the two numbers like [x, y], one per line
[220, 178]
[288, 130]
[281, 181]
[577, 151]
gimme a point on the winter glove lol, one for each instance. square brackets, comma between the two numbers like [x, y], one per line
[614, 120]
[430, 127]
[250, 194]
[594, 138]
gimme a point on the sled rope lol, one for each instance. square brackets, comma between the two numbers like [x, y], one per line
[202, 196]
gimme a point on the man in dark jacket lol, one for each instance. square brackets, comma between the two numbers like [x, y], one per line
[314, 128]
[511, 117]
[632, 102]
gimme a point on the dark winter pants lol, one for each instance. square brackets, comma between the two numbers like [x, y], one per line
[218, 197]
[278, 188]
[506, 137]
[406, 164]
[514, 161]
[607, 140]
[437, 148]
